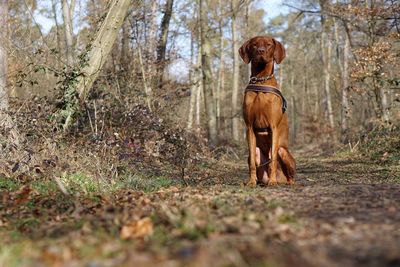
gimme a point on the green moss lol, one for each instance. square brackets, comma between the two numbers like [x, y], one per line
[8, 184]
[287, 218]
[44, 187]
[146, 183]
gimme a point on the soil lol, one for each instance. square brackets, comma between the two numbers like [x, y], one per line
[342, 211]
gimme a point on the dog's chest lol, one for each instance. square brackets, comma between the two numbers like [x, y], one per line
[258, 107]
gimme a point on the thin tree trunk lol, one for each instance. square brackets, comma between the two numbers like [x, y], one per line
[68, 30]
[147, 89]
[198, 101]
[98, 53]
[345, 91]
[3, 55]
[162, 42]
[220, 76]
[384, 103]
[194, 91]
[207, 75]
[151, 48]
[326, 49]
[124, 60]
[293, 119]
[235, 76]
[7, 125]
[54, 10]
[153, 30]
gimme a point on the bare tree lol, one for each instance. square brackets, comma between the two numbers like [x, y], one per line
[67, 11]
[194, 89]
[326, 49]
[54, 11]
[3, 54]
[97, 55]
[345, 92]
[207, 75]
[162, 42]
[235, 73]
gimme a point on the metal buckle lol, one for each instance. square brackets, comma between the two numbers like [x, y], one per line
[253, 79]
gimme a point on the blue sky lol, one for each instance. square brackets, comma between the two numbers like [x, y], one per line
[273, 8]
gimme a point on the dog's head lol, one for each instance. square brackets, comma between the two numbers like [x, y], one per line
[262, 49]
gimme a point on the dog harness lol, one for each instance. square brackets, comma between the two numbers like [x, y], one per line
[268, 89]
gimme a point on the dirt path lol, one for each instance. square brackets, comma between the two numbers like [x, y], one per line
[340, 213]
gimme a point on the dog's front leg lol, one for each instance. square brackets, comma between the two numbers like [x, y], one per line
[251, 141]
[274, 157]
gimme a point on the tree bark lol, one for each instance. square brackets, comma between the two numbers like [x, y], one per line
[97, 55]
[3, 55]
[207, 75]
[162, 42]
[67, 12]
[194, 89]
[326, 49]
[152, 32]
[198, 101]
[147, 89]
[220, 80]
[152, 47]
[125, 53]
[345, 92]
[7, 125]
[54, 10]
[235, 76]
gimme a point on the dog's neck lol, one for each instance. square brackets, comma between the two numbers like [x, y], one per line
[260, 70]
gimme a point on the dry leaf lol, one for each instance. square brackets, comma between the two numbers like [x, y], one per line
[23, 195]
[137, 229]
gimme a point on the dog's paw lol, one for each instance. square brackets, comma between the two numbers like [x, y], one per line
[290, 182]
[251, 183]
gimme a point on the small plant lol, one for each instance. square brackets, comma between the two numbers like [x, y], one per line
[147, 183]
[8, 184]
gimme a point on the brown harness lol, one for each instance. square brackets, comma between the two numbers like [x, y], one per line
[267, 89]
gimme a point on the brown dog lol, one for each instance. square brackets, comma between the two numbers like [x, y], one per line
[264, 113]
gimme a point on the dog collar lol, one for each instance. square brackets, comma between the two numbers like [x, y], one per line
[254, 79]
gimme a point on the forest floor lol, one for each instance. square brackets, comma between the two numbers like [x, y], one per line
[342, 211]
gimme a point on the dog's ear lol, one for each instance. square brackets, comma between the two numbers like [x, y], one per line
[244, 52]
[279, 52]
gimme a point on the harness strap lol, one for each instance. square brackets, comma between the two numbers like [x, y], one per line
[268, 89]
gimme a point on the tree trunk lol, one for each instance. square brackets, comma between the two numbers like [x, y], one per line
[54, 10]
[3, 55]
[194, 90]
[97, 55]
[235, 77]
[125, 53]
[220, 81]
[345, 92]
[67, 12]
[7, 125]
[147, 89]
[162, 42]
[326, 49]
[152, 47]
[207, 75]
[198, 101]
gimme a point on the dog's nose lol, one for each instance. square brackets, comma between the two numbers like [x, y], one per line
[261, 49]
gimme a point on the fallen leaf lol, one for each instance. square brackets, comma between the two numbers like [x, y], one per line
[137, 229]
[23, 195]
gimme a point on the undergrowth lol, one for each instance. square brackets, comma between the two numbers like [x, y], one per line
[382, 144]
